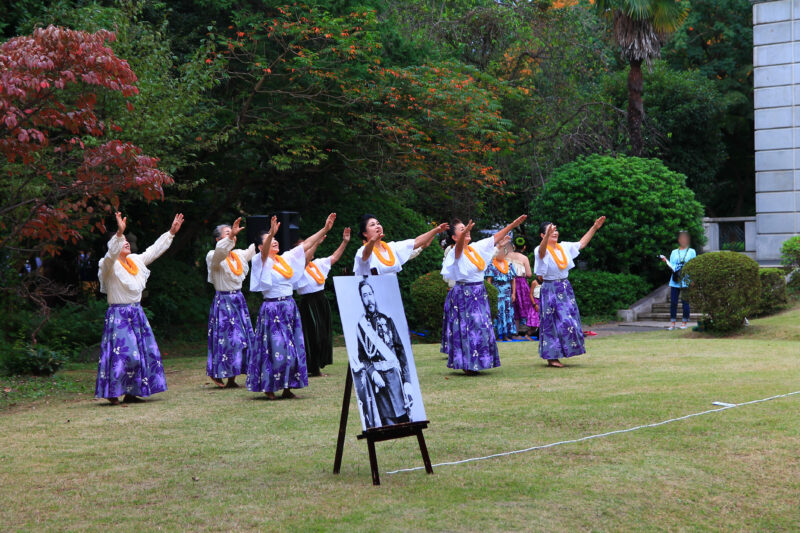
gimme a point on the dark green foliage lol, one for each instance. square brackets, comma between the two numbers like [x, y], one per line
[73, 327]
[686, 110]
[645, 202]
[773, 290]
[29, 360]
[428, 292]
[179, 298]
[601, 294]
[492, 293]
[725, 287]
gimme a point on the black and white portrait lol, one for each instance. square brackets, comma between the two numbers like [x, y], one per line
[379, 350]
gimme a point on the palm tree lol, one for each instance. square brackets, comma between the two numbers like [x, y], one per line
[641, 27]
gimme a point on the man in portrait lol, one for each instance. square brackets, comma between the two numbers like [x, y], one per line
[385, 366]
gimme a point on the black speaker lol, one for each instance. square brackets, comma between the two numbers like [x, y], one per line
[254, 225]
[288, 234]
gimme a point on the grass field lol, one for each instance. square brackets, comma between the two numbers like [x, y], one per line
[197, 458]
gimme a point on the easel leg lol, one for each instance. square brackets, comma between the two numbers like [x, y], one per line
[424, 450]
[373, 462]
[348, 390]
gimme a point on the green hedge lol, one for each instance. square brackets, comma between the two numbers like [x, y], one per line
[179, 297]
[725, 287]
[773, 290]
[428, 294]
[601, 294]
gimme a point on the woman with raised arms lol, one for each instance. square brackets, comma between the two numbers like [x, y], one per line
[378, 257]
[230, 331]
[560, 328]
[315, 311]
[130, 362]
[279, 361]
[467, 334]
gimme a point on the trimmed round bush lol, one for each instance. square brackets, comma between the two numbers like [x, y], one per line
[790, 252]
[601, 294]
[725, 287]
[645, 202]
[428, 294]
[24, 359]
[773, 290]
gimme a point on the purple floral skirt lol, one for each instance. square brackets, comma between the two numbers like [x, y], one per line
[523, 307]
[560, 330]
[230, 335]
[467, 333]
[279, 360]
[130, 362]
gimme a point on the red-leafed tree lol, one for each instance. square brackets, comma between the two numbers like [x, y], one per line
[62, 167]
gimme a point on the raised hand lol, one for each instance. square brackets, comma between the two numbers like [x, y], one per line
[549, 232]
[329, 221]
[599, 222]
[236, 228]
[441, 228]
[122, 223]
[346, 235]
[274, 226]
[519, 220]
[176, 223]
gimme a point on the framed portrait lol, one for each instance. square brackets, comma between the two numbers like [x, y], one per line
[379, 350]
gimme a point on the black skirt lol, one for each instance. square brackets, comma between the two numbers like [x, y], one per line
[315, 314]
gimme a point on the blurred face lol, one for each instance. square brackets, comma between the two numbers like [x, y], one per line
[126, 249]
[224, 232]
[373, 228]
[553, 237]
[275, 247]
[368, 299]
[684, 240]
[458, 230]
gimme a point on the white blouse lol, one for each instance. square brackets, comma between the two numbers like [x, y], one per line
[403, 251]
[547, 267]
[219, 271]
[462, 269]
[121, 286]
[272, 284]
[307, 284]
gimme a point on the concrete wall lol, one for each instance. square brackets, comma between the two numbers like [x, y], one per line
[776, 79]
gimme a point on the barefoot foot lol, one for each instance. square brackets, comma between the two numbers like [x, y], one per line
[554, 363]
[232, 384]
[270, 395]
[218, 382]
[288, 394]
[130, 398]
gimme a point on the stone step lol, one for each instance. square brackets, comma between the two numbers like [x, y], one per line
[664, 316]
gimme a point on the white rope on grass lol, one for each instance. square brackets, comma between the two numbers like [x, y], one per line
[724, 407]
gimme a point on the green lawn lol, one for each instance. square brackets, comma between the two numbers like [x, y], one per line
[197, 458]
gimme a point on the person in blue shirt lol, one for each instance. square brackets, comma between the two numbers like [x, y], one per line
[677, 281]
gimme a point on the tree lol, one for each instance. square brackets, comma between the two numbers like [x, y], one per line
[63, 167]
[640, 28]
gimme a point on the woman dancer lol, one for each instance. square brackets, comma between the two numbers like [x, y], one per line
[467, 334]
[279, 361]
[527, 317]
[130, 363]
[534, 320]
[560, 330]
[315, 311]
[502, 275]
[230, 331]
[378, 257]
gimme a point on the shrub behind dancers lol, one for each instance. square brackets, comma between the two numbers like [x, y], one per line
[560, 329]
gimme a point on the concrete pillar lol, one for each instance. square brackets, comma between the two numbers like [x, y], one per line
[776, 79]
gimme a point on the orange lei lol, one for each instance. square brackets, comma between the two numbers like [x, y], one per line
[129, 265]
[563, 261]
[235, 265]
[314, 271]
[474, 258]
[377, 250]
[502, 267]
[282, 267]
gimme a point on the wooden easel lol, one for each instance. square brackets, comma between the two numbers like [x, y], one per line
[374, 435]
